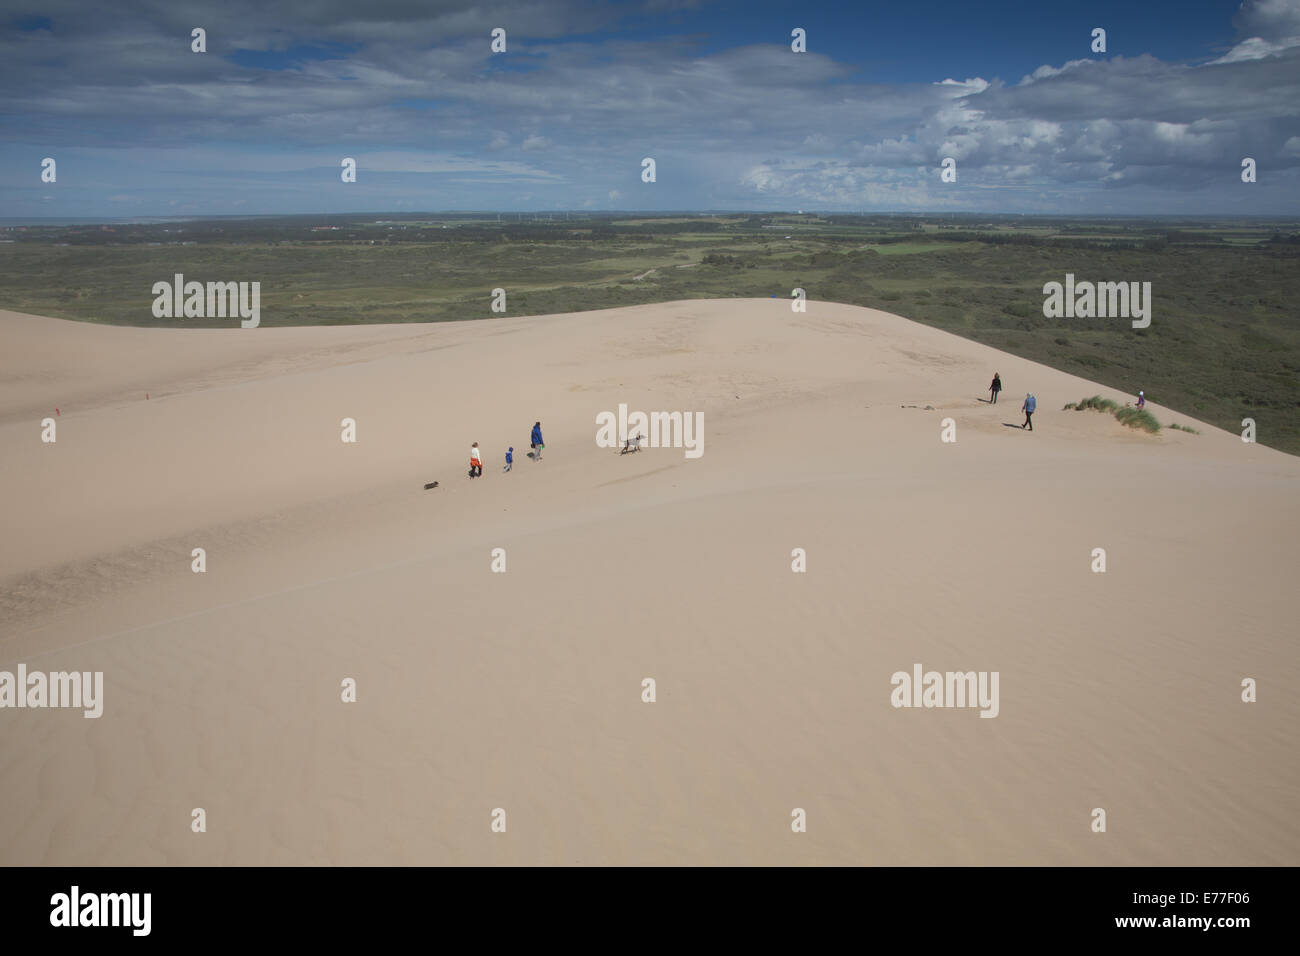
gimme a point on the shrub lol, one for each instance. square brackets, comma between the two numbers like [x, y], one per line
[1135, 417]
[1098, 403]
[1129, 415]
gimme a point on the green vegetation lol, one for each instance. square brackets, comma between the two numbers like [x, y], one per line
[1223, 344]
[1129, 415]
[1184, 428]
[1096, 402]
[1135, 417]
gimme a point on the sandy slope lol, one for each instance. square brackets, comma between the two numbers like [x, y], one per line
[523, 690]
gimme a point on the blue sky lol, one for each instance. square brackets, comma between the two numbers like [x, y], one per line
[1037, 123]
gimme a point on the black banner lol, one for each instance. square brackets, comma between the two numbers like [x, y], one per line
[1147, 905]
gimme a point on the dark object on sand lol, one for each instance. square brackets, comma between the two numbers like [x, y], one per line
[432, 484]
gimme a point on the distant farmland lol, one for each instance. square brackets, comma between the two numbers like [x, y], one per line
[1224, 341]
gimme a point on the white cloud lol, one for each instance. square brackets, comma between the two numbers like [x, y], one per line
[1267, 27]
[1268, 18]
[976, 85]
[750, 124]
[404, 162]
[1257, 48]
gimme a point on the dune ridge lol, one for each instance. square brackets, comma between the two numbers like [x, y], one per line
[522, 690]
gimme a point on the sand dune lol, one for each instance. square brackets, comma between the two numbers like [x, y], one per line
[522, 690]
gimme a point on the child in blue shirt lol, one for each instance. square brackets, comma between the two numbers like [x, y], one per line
[510, 457]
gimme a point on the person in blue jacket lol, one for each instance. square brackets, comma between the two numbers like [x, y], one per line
[1031, 403]
[537, 441]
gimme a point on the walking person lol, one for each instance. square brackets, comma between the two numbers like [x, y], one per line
[1142, 399]
[536, 439]
[510, 458]
[995, 387]
[1031, 403]
[475, 462]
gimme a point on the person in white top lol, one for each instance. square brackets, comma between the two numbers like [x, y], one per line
[475, 462]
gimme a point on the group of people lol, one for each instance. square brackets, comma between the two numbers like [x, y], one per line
[476, 457]
[1029, 406]
[1031, 403]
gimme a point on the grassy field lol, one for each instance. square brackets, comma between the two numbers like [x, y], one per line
[1223, 345]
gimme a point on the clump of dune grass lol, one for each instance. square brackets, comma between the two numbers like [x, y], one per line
[1137, 418]
[1128, 415]
[1096, 402]
[1183, 428]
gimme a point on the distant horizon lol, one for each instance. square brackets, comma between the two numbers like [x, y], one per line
[529, 215]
